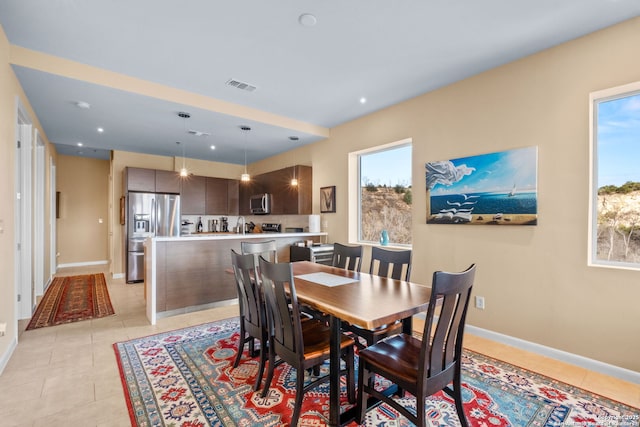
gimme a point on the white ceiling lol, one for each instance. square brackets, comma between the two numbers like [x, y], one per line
[387, 51]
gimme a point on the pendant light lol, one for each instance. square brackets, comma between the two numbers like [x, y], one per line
[183, 171]
[245, 177]
[294, 180]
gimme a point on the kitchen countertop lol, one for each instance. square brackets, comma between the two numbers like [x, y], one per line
[224, 236]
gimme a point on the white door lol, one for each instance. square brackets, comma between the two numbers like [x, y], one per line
[53, 246]
[23, 267]
[38, 216]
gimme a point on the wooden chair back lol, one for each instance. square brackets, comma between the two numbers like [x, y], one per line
[249, 295]
[267, 249]
[391, 263]
[441, 352]
[283, 312]
[349, 257]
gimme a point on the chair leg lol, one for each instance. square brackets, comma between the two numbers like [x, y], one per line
[421, 415]
[240, 344]
[351, 378]
[299, 396]
[263, 359]
[267, 383]
[457, 397]
[364, 377]
[252, 347]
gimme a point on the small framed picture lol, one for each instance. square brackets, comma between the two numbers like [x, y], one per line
[328, 199]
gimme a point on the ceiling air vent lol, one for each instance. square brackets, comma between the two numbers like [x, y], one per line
[241, 85]
[198, 133]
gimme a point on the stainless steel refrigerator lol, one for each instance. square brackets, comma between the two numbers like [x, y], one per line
[148, 215]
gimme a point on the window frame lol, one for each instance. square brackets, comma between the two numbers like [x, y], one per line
[595, 98]
[355, 195]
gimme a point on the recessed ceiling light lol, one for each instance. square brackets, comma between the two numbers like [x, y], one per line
[307, 20]
[363, 100]
[213, 147]
[79, 144]
[100, 130]
[84, 105]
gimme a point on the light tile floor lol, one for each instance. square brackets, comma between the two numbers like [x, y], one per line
[68, 375]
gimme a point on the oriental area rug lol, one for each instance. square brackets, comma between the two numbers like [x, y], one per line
[71, 299]
[185, 378]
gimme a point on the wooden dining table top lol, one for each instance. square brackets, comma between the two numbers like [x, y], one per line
[369, 302]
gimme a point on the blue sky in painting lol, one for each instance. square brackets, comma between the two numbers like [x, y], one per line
[618, 151]
[494, 173]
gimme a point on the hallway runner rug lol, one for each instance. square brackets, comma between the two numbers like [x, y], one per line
[71, 299]
[185, 378]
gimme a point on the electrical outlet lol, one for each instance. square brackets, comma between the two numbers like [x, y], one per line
[480, 303]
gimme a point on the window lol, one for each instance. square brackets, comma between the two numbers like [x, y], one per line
[383, 194]
[614, 239]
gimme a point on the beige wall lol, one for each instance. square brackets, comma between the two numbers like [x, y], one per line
[10, 93]
[83, 184]
[535, 279]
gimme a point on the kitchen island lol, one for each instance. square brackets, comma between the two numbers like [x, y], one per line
[193, 272]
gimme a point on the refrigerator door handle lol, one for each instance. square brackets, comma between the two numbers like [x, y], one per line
[152, 226]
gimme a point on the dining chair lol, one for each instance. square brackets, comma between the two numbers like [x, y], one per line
[266, 249]
[348, 257]
[387, 263]
[302, 345]
[253, 323]
[423, 366]
[390, 263]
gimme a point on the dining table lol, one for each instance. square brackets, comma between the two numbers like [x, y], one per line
[361, 299]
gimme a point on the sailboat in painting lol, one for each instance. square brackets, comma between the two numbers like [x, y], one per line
[512, 192]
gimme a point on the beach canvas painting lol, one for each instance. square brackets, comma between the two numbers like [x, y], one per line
[495, 188]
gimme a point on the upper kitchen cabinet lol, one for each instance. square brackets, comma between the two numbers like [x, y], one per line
[290, 199]
[193, 195]
[233, 196]
[151, 180]
[286, 198]
[139, 179]
[168, 182]
[216, 196]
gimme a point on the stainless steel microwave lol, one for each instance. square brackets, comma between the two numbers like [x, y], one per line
[260, 204]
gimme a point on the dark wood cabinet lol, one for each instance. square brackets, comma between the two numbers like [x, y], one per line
[139, 179]
[151, 180]
[233, 196]
[193, 195]
[286, 199]
[167, 182]
[217, 196]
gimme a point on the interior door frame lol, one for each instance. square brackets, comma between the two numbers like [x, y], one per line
[53, 242]
[39, 203]
[23, 214]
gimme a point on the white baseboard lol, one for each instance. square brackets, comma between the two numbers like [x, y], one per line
[82, 264]
[7, 355]
[574, 359]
